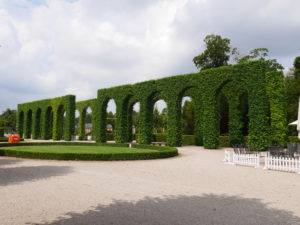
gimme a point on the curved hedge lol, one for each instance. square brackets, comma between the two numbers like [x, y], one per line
[204, 87]
[161, 152]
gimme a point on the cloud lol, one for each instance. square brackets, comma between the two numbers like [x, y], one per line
[51, 48]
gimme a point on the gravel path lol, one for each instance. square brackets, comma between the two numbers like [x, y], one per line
[193, 188]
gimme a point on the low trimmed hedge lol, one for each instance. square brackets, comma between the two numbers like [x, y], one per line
[293, 139]
[161, 152]
[3, 139]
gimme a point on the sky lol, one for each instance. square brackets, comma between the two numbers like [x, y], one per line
[51, 48]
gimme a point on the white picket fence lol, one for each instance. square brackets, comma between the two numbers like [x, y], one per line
[282, 164]
[227, 157]
[246, 159]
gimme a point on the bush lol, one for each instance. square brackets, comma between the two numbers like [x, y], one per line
[188, 140]
[3, 139]
[1, 132]
[293, 139]
[110, 136]
[160, 137]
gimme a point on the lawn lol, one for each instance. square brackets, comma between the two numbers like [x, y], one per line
[79, 149]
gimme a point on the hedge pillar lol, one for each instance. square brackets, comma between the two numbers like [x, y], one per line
[174, 123]
[81, 124]
[258, 119]
[129, 122]
[198, 132]
[276, 95]
[34, 125]
[121, 121]
[20, 123]
[145, 129]
[210, 117]
[28, 124]
[69, 127]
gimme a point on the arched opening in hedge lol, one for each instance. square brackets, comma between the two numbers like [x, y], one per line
[21, 124]
[223, 108]
[110, 119]
[133, 121]
[28, 124]
[244, 109]
[88, 123]
[60, 125]
[77, 124]
[49, 124]
[188, 115]
[159, 120]
[38, 117]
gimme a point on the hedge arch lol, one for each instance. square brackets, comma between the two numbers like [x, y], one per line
[82, 107]
[265, 92]
[50, 123]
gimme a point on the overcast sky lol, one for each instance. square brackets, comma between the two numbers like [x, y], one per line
[51, 48]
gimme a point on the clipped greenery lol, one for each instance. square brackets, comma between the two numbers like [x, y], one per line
[82, 107]
[234, 82]
[277, 99]
[44, 119]
[104, 152]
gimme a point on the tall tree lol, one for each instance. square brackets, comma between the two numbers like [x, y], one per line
[217, 52]
[259, 54]
[292, 83]
[9, 118]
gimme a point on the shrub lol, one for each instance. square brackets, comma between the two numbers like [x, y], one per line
[3, 139]
[188, 140]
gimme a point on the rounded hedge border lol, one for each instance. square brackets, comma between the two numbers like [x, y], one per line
[162, 152]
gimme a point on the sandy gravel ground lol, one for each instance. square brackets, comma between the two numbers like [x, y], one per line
[193, 188]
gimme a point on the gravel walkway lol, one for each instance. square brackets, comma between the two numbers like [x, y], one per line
[193, 188]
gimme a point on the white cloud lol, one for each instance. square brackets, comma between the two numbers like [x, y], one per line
[56, 47]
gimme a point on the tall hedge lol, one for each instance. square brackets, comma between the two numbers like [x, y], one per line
[43, 119]
[276, 94]
[204, 87]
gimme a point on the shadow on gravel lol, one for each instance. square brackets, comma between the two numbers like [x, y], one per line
[4, 162]
[183, 210]
[15, 175]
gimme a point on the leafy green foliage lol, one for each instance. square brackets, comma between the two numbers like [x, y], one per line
[216, 54]
[8, 120]
[260, 54]
[204, 88]
[44, 119]
[276, 94]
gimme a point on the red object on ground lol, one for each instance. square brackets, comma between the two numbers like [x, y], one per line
[14, 138]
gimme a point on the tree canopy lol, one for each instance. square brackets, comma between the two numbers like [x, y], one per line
[217, 52]
[259, 54]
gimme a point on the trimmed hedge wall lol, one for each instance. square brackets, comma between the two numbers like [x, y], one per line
[203, 87]
[162, 152]
[44, 119]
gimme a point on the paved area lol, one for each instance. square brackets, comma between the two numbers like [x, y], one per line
[193, 188]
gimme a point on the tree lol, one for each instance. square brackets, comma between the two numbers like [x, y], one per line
[8, 119]
[292, 84]
[216, 54]
[297, 67]
[259, 54]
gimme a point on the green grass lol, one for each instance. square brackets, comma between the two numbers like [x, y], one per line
[78, 149]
